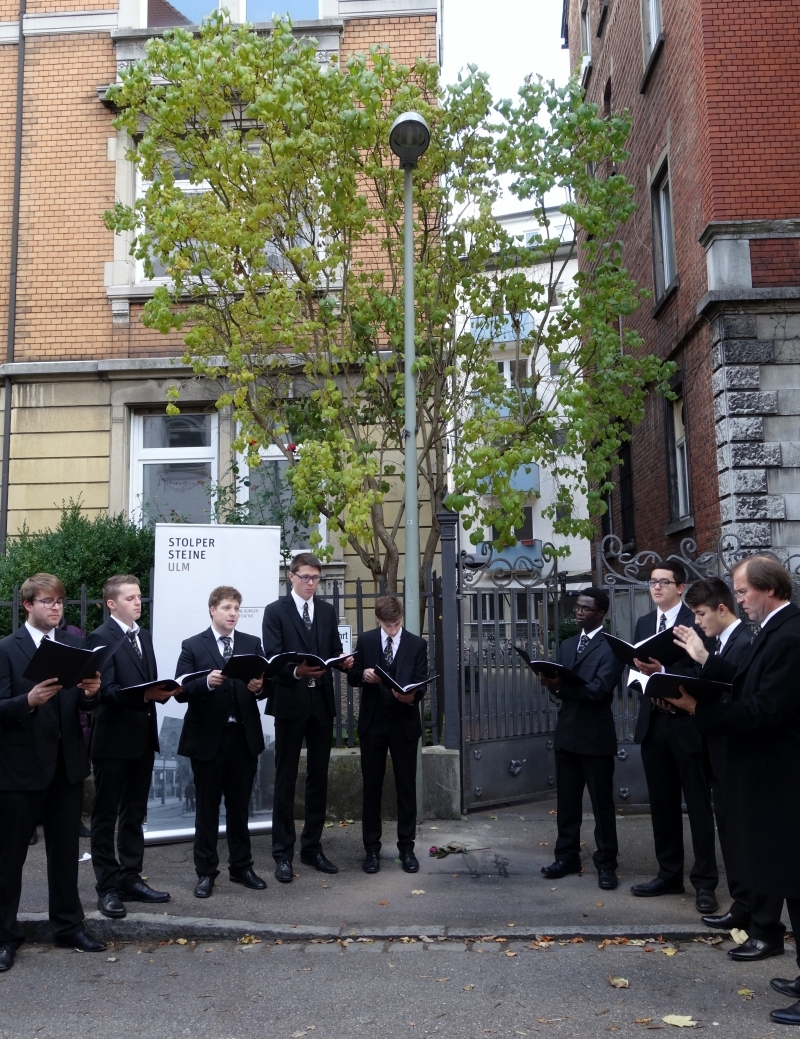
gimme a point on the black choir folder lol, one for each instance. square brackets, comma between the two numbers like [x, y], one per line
[245, 666]
[404, 690]
[68, 664]
[550, 669]
[166, 685]
[302, 657]
[662, 686]
[660, 647]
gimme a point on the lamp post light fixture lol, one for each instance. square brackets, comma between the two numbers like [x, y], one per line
[409, 138]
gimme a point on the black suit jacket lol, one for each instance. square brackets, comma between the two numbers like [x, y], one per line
[762, 723]
[209, 709]
[688, 735]
[734, 650]
[283, 631]
[586, 721]
[29, 738]
[410, 665]
[123, 727]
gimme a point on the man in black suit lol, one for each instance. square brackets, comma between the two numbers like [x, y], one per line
[124, 741]
[302, 703]
[222, 736]
[672, 755]
[43, 764]
[389, 721]
[762, 724]
[585, 742]
[756, 913]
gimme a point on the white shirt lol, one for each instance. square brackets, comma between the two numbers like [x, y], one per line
[671, 615]
[221, 648]
[591, 634]
[395, 641]
[126, 629]
[769, 616]
[726, 634]
[302, 603]
[37, 635]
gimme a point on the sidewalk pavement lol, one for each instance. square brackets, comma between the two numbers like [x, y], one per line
[495, 887]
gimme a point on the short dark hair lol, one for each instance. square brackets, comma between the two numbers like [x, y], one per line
[388, 608]
[767, 573]
[113, 584]
[711, 591]
[601, 599]
[304, 559]
[675, 568]
[224, 591]
[38, 583]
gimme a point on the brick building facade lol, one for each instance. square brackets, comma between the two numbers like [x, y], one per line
[85, 380]
[714, 98]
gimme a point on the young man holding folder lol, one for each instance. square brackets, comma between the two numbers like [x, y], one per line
[43, 764]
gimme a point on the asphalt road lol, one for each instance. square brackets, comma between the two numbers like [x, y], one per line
[330, 991]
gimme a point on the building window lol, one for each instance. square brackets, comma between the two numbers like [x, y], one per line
[268, 497]
[680, 501]
[651, 25]
[586, 30]
[607, 519]
[173, 467]
[514, 371]
[523, 534]
[626, 502]
[663, 238]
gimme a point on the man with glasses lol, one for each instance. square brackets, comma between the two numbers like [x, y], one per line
[43, 763]
[586, 742]
[673, 759]
[303, 704]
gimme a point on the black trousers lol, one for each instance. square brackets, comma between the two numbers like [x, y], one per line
[596, 773]
[289, 736]
[670, 769]
[58, 807]
[121, 789]
[381, 739]
[229, 774]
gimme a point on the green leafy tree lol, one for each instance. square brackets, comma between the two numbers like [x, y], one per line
[276, 207]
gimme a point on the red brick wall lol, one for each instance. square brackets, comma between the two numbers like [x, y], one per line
[775, 262]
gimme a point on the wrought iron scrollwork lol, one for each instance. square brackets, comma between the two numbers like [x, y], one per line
[534, 568]
[626, 568]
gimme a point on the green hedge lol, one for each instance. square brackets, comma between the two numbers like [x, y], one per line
[80, 550]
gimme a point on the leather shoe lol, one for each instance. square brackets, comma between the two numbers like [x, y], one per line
[83, 830]
[110, 905]
[138, 891]
[606, 879]
[284, 872]
[726, 922]
[7, 955]
[789, 1016]
[657, 887]
[706, 901]
[82, 941]
[786, 987]
[372, 862]
[755, 949]
[204, 887]
[409, 862]
[249, 879]
[318, 861]
[560, 869]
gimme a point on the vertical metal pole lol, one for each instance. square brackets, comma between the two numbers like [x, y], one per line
[412, 619]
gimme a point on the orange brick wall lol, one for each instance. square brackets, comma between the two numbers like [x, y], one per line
[8, 104]
[58, 6]
[407, 38]
[775, 262]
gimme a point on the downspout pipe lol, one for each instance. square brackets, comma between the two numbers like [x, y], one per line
[12, 281]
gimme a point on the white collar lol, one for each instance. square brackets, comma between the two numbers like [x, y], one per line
[726, 634]
[219, 637]
[671, 615]
[591, 634]
[769, 616]
[395, 638]
[37, 635]
[125, 628]
[300, 603]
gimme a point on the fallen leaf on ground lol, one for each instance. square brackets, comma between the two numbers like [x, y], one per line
[328, 825]
[552, 812]
[746, 993]
[577, 940]
[509, 952]
[599, 905]
[642, 1020]
[418, 891]
[679, 1020]
[618, 982]
[544, 844]
[112, 959]
[739, 936]
[669, 951]
[600, 1013]
[425, 938]
[443, 979]
[383, 903]
[468, 988]
[493, 817]
[247, 939]
[181, 941]
[510, 925]
[345, 822]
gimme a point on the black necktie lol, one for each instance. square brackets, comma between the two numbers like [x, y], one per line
[662, 624]
[306, 618]
[717, 646]
[388, 655]
[134, 642]
[227, 651]
[583, 642]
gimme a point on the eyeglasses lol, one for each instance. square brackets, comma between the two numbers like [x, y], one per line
[50, 602]
[663, 583]
[308, 578]
[584, 609]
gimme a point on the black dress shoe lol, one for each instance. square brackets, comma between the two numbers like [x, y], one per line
[204, 887]
[83, 830]
[82, 941]
[141, 892]
[284, 872]
[755, 949]
[372, 862]
[607, 879]
[789, 1016]
[786, 987]
[249, 879]
[706, 901]
[726, 922]
[408, 860]
[318, 861]
[560, 869]
[110, 905]
[657, 887]
[7, 955]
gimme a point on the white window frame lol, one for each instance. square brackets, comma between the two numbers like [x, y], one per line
[586, 29]
[681, 458]
[140, 455]
[141, 187]
[663, 231]
[504, 367]
[651, 26]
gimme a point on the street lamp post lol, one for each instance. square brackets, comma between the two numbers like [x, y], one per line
[409, 138]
